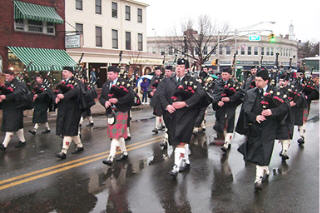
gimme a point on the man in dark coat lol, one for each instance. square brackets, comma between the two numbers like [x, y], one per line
[226, 108]
[157, 111]
[259, 124]
[42, 97]
[12, 114]
[181, 114]
[250, 81]
[69, 113]
[286, 128]
[119, 106]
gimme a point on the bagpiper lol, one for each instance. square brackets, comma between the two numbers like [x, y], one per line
[68, 94]
[117, 97]
[43, 98]
[156, 79]
[180, 96]
[262, 110]
[12, 120]
[231, 97]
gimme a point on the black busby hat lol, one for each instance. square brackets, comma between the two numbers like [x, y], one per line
[113, 69]
[157, 68]
[228, 70]
[70, 69]
[169, 68]
[264, 74]
[181, 61]
[252, 67]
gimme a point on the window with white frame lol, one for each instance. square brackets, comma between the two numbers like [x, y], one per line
[98, 7]
[115, 39]
[228, 50]
[271, 50]
[139, 15]
[140, 42]
[34, 26]
[256, 51]
[128, 40]
[128, 13]
[114, 10]
[262, 50]
[242, 51]
[249, 50]
[99, 36]
[79, 5]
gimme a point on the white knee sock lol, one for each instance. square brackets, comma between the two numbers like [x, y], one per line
[7, 139]
[302, 130]
[186, 154]
[122, 145]
[90, 119]
[81, 121]
[259, 173]
[113, 149]
[66, 144]
[285, 146]
[77, 141]
[227, 139]
[128, 132]
[158, 122]
[179, 155]
[36, 126]
[47, 126]
[21, 135]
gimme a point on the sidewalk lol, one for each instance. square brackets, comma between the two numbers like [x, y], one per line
[141, 112]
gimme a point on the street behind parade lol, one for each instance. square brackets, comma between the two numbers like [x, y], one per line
[32, 179]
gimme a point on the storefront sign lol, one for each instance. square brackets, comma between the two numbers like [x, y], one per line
[73, 41]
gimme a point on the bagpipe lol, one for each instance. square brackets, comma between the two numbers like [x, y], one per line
[185, 90]
[273, 98]
[211, 90]
[293, 93]
[132, 81]
[118, 90]
[6, 89]
[65, 85]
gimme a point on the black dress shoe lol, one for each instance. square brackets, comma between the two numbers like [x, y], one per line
[284, 157]
[77, 150]
[185, 168]
[226, 149]
[258, 186]
[122, 157]
[155, 131]
[2, 148]
[90, 124]
[107, 162]
[173, 173]
[164, 145]
[301, 140]
[46, 131]
[32, 132]
[61, 155]
[20, 144]
[128, 138]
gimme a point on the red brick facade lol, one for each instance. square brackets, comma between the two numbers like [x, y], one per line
[9, 37]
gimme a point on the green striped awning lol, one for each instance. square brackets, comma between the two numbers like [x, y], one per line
[40, 59]
[23, 10]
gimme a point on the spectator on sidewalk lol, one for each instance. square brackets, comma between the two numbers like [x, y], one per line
[144, 89]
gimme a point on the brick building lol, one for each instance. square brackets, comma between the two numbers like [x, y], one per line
[32, 35]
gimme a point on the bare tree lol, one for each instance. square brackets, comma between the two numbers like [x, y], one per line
[197, 38]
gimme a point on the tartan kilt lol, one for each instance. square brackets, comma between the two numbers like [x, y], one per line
[119, 129]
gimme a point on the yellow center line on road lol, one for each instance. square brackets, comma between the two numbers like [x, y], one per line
[75, 163]
[69, 162]
[67, 168]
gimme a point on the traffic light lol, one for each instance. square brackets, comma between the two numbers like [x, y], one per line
[272, 38]
[214, 62]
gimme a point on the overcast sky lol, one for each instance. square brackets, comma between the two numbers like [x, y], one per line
[165, 15]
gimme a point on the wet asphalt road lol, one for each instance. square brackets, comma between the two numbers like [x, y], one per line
[32, 179]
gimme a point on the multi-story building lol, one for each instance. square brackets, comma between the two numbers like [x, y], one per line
[111, 32]
[32, 35]
[249, 53]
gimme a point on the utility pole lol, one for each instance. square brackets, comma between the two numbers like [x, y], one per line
[218, 53]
